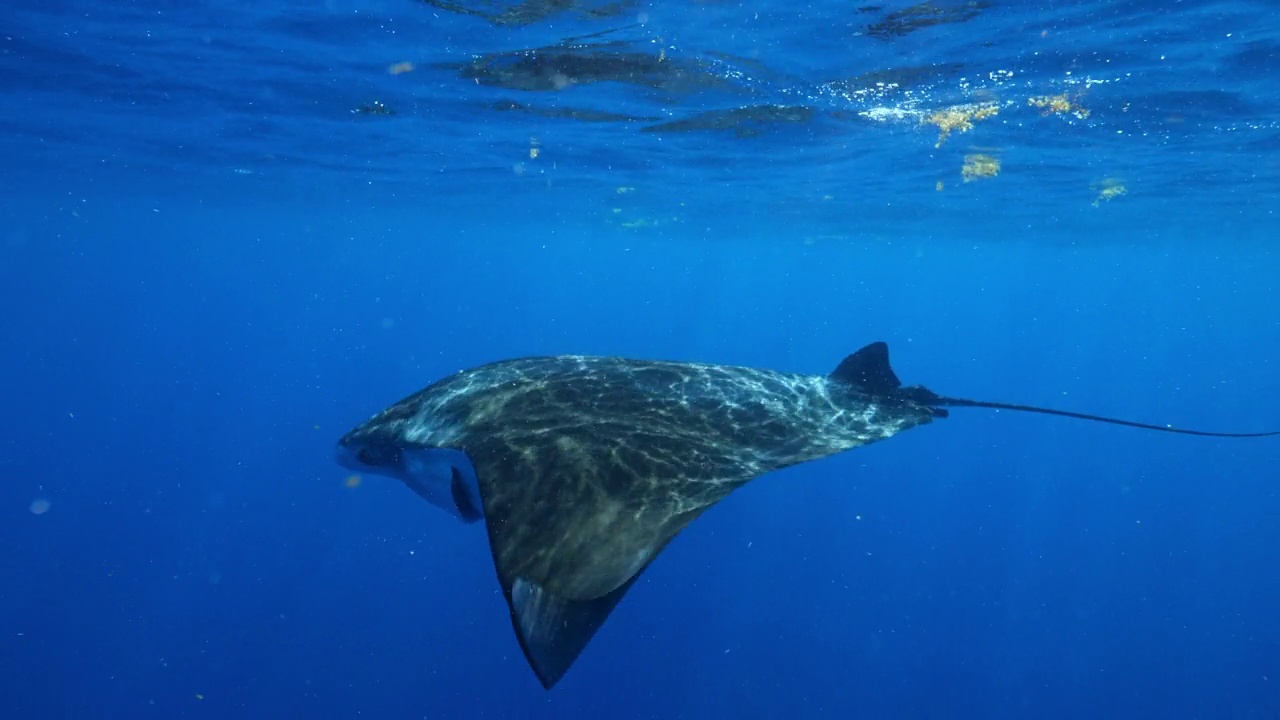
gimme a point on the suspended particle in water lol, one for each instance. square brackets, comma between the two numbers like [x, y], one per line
[39, 506]
[353, 481]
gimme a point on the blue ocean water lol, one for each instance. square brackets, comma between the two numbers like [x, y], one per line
[233, 231]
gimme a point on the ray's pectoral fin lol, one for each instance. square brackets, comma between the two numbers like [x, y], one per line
[570, 532]
[462, 499]
[553, 630]
[561, 599]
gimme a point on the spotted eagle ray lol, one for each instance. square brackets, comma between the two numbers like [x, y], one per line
[584, 468]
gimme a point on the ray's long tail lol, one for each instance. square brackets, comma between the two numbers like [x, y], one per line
[960, 402]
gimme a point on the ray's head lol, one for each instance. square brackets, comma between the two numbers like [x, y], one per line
[376, 446]
[443, 477]
[365, 452]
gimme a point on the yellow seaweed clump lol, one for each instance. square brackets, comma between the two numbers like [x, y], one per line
[1058, 105]
[978, 166]
[1109, 190]
[960, 118]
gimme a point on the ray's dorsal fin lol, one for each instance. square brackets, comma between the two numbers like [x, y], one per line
[868, 370]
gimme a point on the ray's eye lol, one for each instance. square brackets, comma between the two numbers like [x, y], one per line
[378, 456]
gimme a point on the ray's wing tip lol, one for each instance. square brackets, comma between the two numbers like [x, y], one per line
[547, 676]
[544, 652]
[546, 679]
[552, 630]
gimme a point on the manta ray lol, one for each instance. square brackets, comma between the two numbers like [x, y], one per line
[584, 468]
